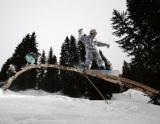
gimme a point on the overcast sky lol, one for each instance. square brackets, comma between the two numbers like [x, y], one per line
[53, 20]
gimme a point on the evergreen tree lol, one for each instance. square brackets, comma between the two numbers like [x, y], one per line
[73, 52]
[139, 29]
[145, 14]
[64, 58]
[69, 52]
[28, 44]
[43, 58]
[4, 71]
[146, 17]
[52, 59]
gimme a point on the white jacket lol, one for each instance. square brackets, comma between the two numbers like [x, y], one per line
[91, 43]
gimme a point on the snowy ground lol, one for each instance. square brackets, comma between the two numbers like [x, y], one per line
[38, 107]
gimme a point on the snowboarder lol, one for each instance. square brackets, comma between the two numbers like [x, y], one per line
[90, 47]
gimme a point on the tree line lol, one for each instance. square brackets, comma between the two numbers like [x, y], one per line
[53, 80]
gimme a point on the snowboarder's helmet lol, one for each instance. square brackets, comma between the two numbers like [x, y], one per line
[93, 31]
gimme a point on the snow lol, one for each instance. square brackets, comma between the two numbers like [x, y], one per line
[114, 72]
[39, 107]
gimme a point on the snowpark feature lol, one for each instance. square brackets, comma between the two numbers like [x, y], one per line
[39, 107]
[95, 73]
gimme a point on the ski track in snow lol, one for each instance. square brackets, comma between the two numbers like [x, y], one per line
[39, 107]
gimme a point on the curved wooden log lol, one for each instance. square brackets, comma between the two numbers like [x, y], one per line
[95, 73]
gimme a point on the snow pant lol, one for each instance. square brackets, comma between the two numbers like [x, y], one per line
[93, 55]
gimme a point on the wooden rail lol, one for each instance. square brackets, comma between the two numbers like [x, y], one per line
[95, 73]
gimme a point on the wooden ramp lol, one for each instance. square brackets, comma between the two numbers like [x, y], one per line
[95, 73]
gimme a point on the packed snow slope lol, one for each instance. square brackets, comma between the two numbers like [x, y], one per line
[38, 107]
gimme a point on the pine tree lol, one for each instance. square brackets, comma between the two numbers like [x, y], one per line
[146, 17]
[140, 37]
[69, 52]
[52, 59]
[73, 52]
[28, 44]
[140, 31]
[64, 58]
[43, 58]
[145, 14]
[4, 71]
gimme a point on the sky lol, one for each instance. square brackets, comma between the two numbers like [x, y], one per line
[53, 20]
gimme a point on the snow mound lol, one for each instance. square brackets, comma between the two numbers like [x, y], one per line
[7, 93]
[132, 95]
